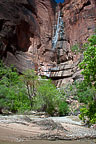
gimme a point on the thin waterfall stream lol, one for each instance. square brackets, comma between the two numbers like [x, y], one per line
[58, 30]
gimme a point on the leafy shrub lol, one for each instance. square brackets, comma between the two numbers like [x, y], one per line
[88, 66]
[26, 92]
[49, 99]
[30, 79]
[88, 114]
[12, 91]
[63, 108]
[80, 90]
[89, 62]
[46, 97]
[85, 93]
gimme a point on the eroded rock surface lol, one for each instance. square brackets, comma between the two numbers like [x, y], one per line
[79, 22]
[26, 32]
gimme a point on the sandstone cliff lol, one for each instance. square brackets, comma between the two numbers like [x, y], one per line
[79, 22]
[26, 32]
[38, 35]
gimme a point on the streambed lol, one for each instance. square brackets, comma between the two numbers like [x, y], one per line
[35, 129]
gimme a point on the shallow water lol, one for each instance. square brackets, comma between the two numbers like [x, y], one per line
[52, 142]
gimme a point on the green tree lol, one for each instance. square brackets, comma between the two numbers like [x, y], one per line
[88, 66]
[84, 92]
[31, 81]
[89, 62]
[47, 96]
[50, 99]
[28, 91]
[13, 94]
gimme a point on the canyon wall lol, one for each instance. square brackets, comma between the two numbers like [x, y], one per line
[26, 32]
[79, 22]
[37, 34]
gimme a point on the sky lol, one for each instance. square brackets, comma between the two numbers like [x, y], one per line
[59, 1]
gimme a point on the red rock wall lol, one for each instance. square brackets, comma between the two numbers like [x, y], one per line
[26, 32]
[79, 18]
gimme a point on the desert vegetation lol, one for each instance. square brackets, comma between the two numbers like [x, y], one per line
[19, 93]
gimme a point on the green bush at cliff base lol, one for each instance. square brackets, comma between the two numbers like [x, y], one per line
[88, 114]
[31, 82]
[89, 62]
[79, 90]
[12, 91]
[63, 108]
[45, 99]
[84, 92]
[88, 66]
[19, 93]
[49, 98]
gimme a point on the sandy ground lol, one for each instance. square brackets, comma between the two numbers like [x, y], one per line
[25, 128]
[19, 131]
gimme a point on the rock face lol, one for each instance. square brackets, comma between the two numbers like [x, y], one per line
[26, 32]
[35, 34]
[79, 22]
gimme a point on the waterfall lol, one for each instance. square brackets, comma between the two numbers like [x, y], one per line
[58, 30]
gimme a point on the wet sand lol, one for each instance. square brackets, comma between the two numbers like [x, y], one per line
[29, 130]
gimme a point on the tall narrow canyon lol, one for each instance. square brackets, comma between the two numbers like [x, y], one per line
[39, 35]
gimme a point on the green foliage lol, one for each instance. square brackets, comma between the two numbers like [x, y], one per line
[75, 48]
[63, 108]
[89, 62]
[83, 114]
[80, 90]
[49, 99]
[47, 95]
[28, 91]
[30, 79]
[88, 114]
[12, 91]
[84, 92]
[88, 66]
